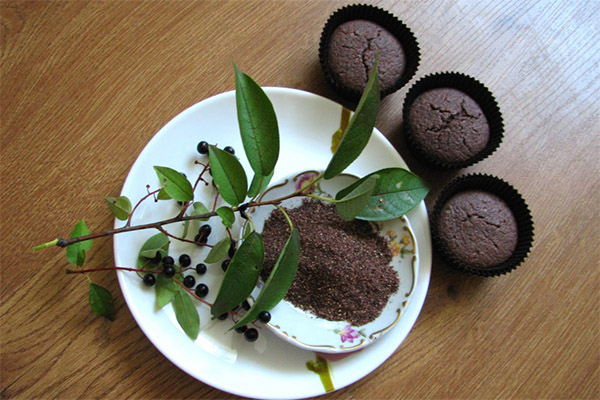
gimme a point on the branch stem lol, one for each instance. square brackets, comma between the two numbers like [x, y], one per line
[85, 271]
[137, 205]
[159, 224]
[44, 245]
[322, 198]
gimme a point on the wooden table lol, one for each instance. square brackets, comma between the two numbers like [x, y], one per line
[85, 85]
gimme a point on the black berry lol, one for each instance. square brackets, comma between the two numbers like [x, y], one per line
[205, 230]
[157, 258]
[201, 268]
[149, 280]
[246, 305]
[168, 260]
[200, 239]
[202, 147]
[222, 316]
[229, 149]
[241, 329]
[185, 260]
[232, 249]
[201, 290]
[264, 316]
[168, 270]
[251, 334]
[242, 209]
[189, 281]
[225, 265]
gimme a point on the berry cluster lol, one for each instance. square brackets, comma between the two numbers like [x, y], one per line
[201, 290]
[169, 270]
[189, 281]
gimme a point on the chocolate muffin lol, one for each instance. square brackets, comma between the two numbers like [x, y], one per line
[352, 37]
[478, 228]
[451, 120]
[480, 224]
[448, 125]
[351, 54]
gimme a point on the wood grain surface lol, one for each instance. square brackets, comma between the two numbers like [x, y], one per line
[85, 85]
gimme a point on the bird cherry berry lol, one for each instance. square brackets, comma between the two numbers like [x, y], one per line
[189, 281]
[201, 290]
[202, 147]
[185, 260]
[149, 280]
[251, 334]
[201, 269]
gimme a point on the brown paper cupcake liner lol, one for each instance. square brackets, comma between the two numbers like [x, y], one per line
[474, 89]
[386, 20]
[514, 201]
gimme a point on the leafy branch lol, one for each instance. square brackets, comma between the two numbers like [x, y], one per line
[382, 195]
[60, 242]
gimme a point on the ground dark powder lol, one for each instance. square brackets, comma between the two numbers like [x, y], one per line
[344, 272]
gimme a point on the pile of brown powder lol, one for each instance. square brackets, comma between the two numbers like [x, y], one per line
[344, 272]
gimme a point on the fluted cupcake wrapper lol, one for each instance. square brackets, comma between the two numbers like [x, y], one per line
[474, 89]
[514, 201]
[382, 18]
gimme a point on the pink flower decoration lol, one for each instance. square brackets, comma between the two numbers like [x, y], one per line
[304, 181]
[348, 334]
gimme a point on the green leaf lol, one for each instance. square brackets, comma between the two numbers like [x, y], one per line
[351, 205]
[336, 139]
[241, 275]
[227, 216]
[218, 251]
[119, 206]
[396, 192]
[198, 209]
[359, 130]
[186, 228]
[163, 195]
[165, 289]
[279, 280]
[157, 243]
[186, 314]
[229, 176]
[101, 301]
[175, 184]
[247, 231]
[259, 184]
[258, 124]
[76, 251]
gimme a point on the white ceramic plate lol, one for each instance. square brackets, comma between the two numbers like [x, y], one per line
[303, 328]
[269, 367]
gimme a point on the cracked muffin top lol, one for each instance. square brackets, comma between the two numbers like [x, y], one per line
[448, 125]
[478, 228]
[352, 50]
